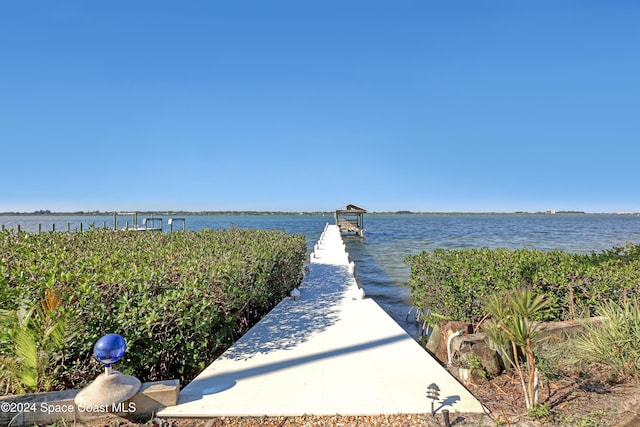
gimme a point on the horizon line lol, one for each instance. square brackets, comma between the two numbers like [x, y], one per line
[300, 212]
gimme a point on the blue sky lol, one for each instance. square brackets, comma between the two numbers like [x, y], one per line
[466, 105]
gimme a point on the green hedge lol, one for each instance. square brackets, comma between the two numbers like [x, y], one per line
[179, 299]
[455, 283]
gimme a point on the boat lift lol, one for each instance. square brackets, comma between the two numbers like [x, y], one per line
[148, 224]
[151, 223]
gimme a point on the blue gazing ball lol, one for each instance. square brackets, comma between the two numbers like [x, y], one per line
[109, 349]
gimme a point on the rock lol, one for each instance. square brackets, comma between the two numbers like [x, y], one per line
[487, 359]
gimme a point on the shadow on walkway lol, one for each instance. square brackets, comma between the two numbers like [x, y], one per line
[292, 322]
[221, 382]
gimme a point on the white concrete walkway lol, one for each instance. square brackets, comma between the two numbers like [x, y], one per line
[331, 352]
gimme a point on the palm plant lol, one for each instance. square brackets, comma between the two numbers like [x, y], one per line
[33, 338]
[613, 342]
[514, 332]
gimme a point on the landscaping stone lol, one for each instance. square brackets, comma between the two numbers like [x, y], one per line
[59, 406]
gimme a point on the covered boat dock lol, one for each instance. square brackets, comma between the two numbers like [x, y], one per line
[351, 219]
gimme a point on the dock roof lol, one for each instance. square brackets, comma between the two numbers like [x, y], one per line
[352, 209]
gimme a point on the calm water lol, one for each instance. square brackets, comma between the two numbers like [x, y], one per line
[379, 257]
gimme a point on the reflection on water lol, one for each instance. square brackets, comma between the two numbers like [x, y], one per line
[379, 256]
[383, 278]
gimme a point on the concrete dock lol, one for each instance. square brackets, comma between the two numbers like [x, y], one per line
[331, 352]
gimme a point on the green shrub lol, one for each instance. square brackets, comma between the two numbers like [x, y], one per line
[453, 283]
[179, 299]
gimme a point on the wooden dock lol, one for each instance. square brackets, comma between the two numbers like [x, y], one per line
[351, 220]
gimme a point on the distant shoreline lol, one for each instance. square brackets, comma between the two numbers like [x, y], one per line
[315, 213]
